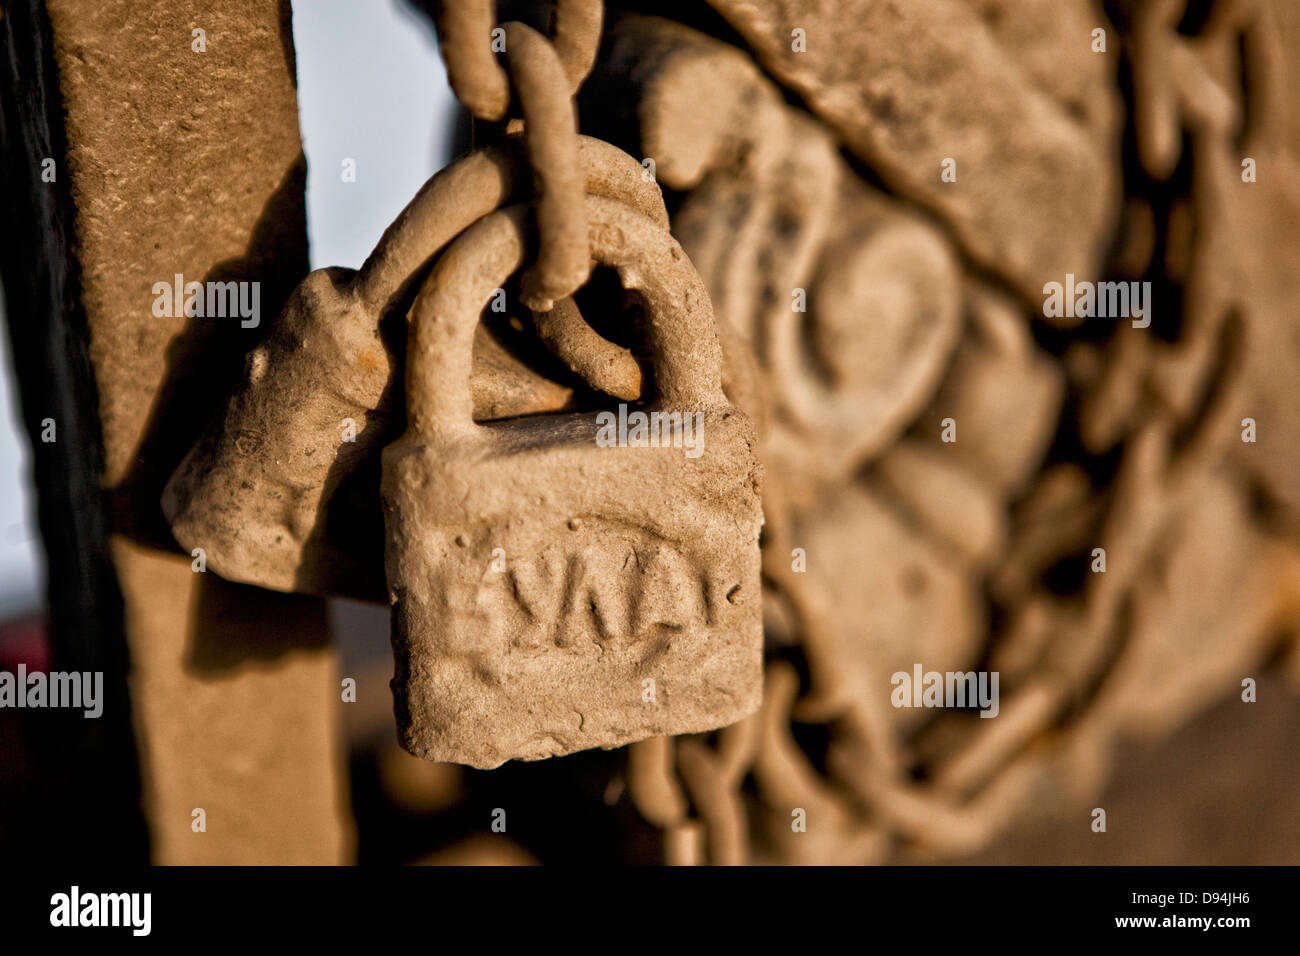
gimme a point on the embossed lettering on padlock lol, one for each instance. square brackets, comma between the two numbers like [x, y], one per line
[550, 593]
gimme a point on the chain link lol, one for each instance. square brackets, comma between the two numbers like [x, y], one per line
[545, 73]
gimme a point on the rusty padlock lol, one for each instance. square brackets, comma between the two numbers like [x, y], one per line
[570, 580]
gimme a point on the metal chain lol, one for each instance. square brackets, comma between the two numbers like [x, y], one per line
[545, 74]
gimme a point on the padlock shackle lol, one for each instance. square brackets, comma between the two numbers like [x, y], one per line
[475, 185]
[683, 338]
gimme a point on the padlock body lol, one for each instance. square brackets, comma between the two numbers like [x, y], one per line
[552, 595]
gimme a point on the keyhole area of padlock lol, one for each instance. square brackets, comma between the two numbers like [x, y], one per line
[560, 362]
